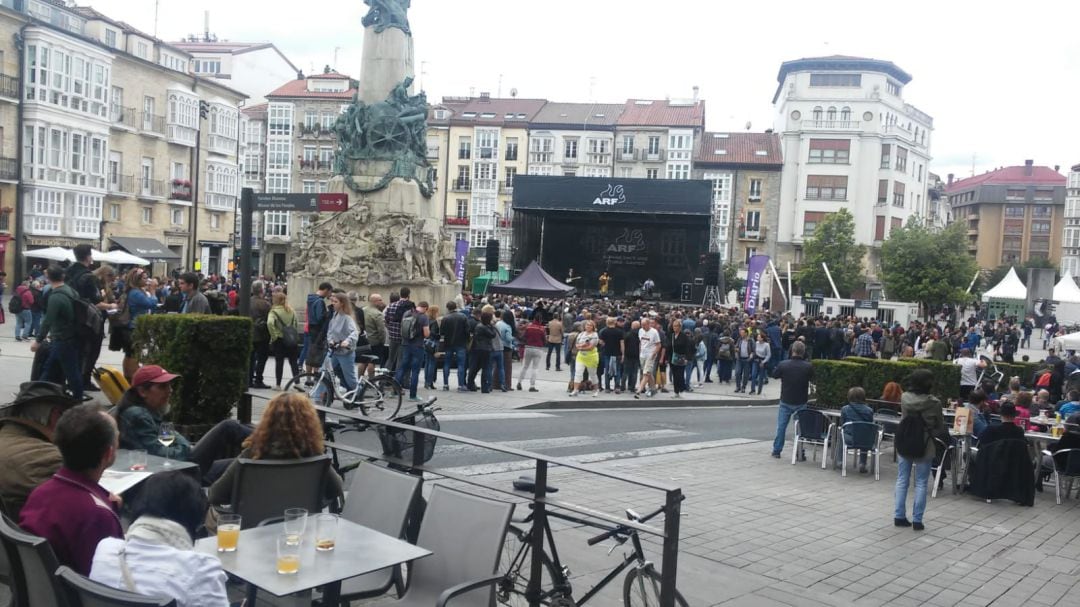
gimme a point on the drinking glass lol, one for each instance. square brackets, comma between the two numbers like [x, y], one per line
[288, 556]
[325, 532]
[228, 532]
[137, 460]
[295, 522]
[166, 436]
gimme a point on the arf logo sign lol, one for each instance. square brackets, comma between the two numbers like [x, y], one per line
[611, 196]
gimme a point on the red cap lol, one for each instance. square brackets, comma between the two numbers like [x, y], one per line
[152, 374]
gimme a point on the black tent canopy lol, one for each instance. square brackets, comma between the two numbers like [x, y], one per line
[534, 281]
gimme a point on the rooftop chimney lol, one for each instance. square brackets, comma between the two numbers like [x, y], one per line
[950, 179]
[1029, 167]
[485, 96]
[697, 91]
[1057, 168]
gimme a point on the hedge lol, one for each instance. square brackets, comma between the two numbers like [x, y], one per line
[833, 378]
[1021, 369]
[211, 353]
[879, 372]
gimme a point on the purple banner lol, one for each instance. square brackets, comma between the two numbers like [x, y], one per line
[461, 250]
[754, 270]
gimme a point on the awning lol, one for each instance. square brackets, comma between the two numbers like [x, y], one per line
[148, 248]
[612, 195]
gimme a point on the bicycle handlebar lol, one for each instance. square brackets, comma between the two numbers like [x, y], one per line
[605, 535]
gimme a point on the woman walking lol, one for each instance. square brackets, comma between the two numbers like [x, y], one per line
[431, 347]
[341, 339]
[916, 401]
[134, 302]
[480, 355]
[682, 353]
[588, 358]
[508, 336]
[760, 358]
[281, 315]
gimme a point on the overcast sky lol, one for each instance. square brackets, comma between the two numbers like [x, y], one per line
[1001, 86]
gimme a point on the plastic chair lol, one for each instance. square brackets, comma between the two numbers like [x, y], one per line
[264, 488]
[379, 499]
[32, 566]
[465, 533]
[938, 465]
[84, 592]
[1070, 471]
[866, 436]
[813, 428]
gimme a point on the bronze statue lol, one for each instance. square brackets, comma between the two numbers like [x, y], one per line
[387, 13]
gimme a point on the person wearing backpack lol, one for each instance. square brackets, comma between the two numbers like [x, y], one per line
[921, 420]
[20, 304]
[415, 328]
[260, 335]
[82, 280]
[59, 325]
[284, 337]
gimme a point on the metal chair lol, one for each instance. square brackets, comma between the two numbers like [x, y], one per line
[889, 427]
[379, 499]
[465, 533]
[84, 592]
[866, 437]
[264, 488]
[1069, 471]
[938, 465]
[813, 428]
[32, 566]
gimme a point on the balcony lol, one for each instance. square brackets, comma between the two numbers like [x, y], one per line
[832, 125]
[626, 155]
[181, 135]
[485, 185]
[122, 185]
[313, 131]
[903, 133]
[9, 168]
[461, 185]
[457, 221]
[753, 234]
[124, 118]
[651, 156]
[152, 123]
[220, 202]
[180, 189]
[220, 144]
[9, 86]
[506, 188]
[257, 176]
[316, 166]
[433, 152]
[487, 153]
[569, 161]
[151, 189]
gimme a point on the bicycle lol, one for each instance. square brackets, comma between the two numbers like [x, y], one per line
[641, 586]
[378, 397]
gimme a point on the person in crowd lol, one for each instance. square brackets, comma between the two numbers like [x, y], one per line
[588, 359]
[260, 335]
[976, 401]
[71, 510]
[289, 429]
[83, 282]
[917, 400]
[392, 317]
[1042, 404]
[194, 301]
[1007, 429]
[134, 302]
[649, 347]
[454, 329]
[759, 361]
[1024, 402]
[611, 357]
[1071, 404]
[744, 352]
[27, 425]
[864, 344]
[341, 335]
[725, 357]
[415, 328]
[142, 409]
[682, 351]
[555, 342]
[1014, 391]
[103, 278]
[318, 319]
[38, 289]
[535, 338]
[375, 329]
[432, 345]
[158, 556]
[795, 375]
[892, 392]
[279, 316]
[506, 329]
[631, 358]
[856, 410]
[969, 371]
[65, 349]
[21, 305]
[480, 354]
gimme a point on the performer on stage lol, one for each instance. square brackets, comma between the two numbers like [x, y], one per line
[604, 280]
[649, 285]
[570, 277]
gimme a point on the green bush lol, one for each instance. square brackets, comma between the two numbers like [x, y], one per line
[880, 372]
[211, 353]
[946, 376]
[833, 379]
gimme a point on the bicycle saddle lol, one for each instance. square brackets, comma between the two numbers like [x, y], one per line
[528, 483]
[368, 359]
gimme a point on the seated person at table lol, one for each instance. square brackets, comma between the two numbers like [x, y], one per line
[977, 403]
[158, 558]
[856, 411]
[71, 510]
[1042, 403]
[1006, 429]
[1014, 391]
[289, 429]
[26, 448]
[892, 392]
[140, 414]
[1070, 406]
[1023, 403]
[1070, 440]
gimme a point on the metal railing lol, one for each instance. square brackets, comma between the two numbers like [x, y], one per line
[121, 184]
[540, 501]
[837, 125]
[313, 130]
[756, 234]
[9, 86]
[9, 168]
[152, 123]
[125, 117]
[506, 188]
[647, 156]
[316, 165]
[151, 188]
[461, 185]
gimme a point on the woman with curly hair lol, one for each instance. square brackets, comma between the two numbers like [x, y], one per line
[289, 429]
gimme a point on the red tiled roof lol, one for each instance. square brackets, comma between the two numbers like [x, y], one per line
[298, 88]
[1040, 175]
[643, 112]
[257, 112]
[497, 109]
[579, 114]
[739, 148]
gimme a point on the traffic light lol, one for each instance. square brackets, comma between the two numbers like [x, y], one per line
[204, 109]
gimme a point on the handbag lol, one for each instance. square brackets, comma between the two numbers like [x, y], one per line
[121, 318]
[363, 344]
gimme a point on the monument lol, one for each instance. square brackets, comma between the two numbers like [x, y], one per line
[391, 236]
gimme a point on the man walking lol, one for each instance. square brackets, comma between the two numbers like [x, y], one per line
[795, 375]
[744, 349]
[555, 342]
[86, 287]
[318, 319]
[59, 324]
[260, 335]
[375, 326]
[392, 317]
[412, 347]
[649, 348]
[534, 349]
[194, 301]
[454, 329]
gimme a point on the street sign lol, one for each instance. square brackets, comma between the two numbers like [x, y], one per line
[333, 202]
[866, 304]
[813, 300]
[305, 203]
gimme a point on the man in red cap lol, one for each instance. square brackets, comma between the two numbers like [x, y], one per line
[141, 412]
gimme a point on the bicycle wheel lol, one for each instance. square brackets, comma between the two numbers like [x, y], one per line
[642, 589]
[309, 383]
[514, 563]
[384, 400]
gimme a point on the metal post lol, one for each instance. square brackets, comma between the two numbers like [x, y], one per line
[670, 562]
[247, 198]
[195, 252]
[536, 566]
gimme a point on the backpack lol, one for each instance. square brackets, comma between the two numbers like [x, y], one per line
[87, 319]
[217, 301]
[1044, 380]
[15, 303]
[911, 437]
[410, 329]
[290, 337]
[403, 307]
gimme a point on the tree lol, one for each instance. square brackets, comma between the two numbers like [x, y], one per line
[932, 268]
[833, 243]
[732, 282]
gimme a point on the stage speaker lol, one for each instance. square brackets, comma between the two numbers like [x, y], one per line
[491, 257]
[712, 268]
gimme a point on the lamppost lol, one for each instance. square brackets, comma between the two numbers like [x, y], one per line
[204, 111]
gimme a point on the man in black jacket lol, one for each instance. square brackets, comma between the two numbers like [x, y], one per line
[1005, 430]
[260, 335]
[822, 341]
[454, 328]
[79, 277]
[795, 375]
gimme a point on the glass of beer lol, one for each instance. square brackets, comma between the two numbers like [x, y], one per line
[228, 532]
[295, 522]
[288, 555]
[325, 532]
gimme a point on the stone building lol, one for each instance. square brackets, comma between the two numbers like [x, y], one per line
[1070, 252]
[253, 68]
[10, 22]
[655, 139]
[574, 139]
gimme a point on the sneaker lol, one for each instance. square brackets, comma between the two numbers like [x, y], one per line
[917, 526]
[277, 387]
[533, 389]
[519, 385]
[446, 388]
[637, 395]
[649, 393]
[902, 522]
[463, 389]
[776, 455]
[596, 393]
[415, 399]
[676, 395]
[574, 393]
[260, 385]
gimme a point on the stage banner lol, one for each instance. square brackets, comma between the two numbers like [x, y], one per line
[461, 251]
[754, 271]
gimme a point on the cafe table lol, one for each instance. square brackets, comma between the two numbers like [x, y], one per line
[358, 550]
[120, 478]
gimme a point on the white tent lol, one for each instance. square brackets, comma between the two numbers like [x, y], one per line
[1066, 291]
[51, 253]
[1067, 342]
[1010, 287]
[121, 258]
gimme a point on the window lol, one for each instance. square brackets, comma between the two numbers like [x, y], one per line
[215, 221]
[817, 114]
[626, 172]
[178, 171]
[826, 187]
[511, 173]
[829, 151]
[652, 173]
[462, 208]
[147, 215]
[311, 119]
[845, 114]
[511, 149]
[753, 221]
[1014, 211]
[628, 145]
[114, 212]
[755, 190]
[1012, 243]
[1072, 238]
[570, 149]
[678, 170]
[811, 219]
[750, 252]
[898, 194]
[883, 191]
[1041, 211]
[146, 176]
[1040, 227]
[177, 217]
[110, 38]
[835, 79]
[901, 159]
[308, 187]
[893, 88]
[654, 145]
[463, 177]
[680, 142]
[886, 150]
[149, 105]
[464, 148]
[879, 228]
[208, 66]
[895, 224]
[141, 49]
[277, 155]
[280, 117]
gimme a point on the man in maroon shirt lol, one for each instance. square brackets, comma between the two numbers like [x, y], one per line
[71, 510]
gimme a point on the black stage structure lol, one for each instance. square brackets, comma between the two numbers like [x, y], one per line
[634, 229]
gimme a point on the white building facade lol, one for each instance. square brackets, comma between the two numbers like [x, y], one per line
[849, 141]
[251, 68]
[1070, 243]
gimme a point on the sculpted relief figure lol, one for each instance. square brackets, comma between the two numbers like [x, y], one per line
[387, 13]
